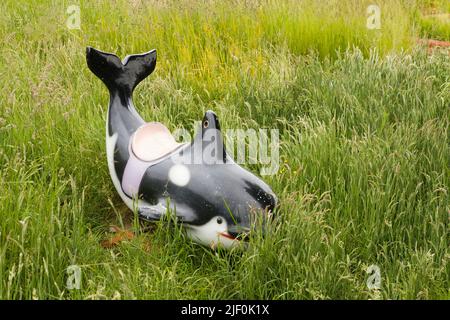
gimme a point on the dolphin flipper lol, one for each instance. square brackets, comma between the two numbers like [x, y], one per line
[151, 213]
[156, 213]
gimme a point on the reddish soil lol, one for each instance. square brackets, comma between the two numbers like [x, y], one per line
[119, 236]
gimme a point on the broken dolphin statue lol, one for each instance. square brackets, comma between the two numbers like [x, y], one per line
[213, 198]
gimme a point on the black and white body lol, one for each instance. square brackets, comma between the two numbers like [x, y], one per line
[214, 198]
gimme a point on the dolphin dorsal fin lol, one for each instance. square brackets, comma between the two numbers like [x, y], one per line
[209, 141]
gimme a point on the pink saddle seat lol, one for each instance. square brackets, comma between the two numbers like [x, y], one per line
[152, 141]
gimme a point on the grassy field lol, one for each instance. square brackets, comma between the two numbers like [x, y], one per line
[363, 118]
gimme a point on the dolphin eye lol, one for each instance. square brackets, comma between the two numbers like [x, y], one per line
[205, 124]
[219, 220]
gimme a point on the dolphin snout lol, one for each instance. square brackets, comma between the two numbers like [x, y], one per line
[272, 202]
[242, 236]
[256, 219]
[239, 232]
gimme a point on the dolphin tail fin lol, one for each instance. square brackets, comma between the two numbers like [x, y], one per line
[117, 75]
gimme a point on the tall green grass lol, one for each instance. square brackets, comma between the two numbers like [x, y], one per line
[364, 147]
[435, 27]
[431, 19]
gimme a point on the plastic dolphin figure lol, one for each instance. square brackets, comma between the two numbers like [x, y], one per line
[214, 198]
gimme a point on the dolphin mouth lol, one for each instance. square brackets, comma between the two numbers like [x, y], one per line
[235, 236]
[228, 236]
